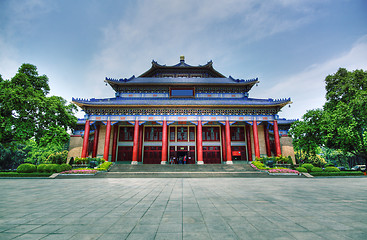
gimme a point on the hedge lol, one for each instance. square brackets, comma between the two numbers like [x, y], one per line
[301, 169]
[316, 169]
[308, 166]
[26, 168]
[41, 168]
[332, 169]
[15, 174]
[342, 173]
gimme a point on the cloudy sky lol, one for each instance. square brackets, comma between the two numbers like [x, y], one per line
[291, 46]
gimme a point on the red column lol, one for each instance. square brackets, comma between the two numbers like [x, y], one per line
[248, 141]
[140, 143]
[164, 143]
[276, 139]
[223, 143]
[256, 139]
[114, 142]
[107, 141]
[267, 142]
[136, 143]
[86, 139]
[228, 143]
[95, 142]
[199, 143]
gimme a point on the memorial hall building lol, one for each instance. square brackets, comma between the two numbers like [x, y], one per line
[180, 111]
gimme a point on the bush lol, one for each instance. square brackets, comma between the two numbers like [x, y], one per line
[316, 169]
[52, 168]
[259, 165]
[301, 169]
[65, 167]
[58, 158]
[104, 166]
[79, 160]
[308, 166]
[41, 167]
[332, 169]
[26, 168]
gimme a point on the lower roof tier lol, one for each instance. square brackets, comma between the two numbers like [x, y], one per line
[179, 102]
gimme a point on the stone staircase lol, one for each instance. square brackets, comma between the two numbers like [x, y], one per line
[119, 170]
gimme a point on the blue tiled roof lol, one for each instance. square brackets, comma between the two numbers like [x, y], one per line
[169, 80]
[181, 101]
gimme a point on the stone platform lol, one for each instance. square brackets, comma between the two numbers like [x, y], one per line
[119, 170]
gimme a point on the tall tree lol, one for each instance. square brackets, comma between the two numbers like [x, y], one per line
[308, 134]
[26, 111]
[346, 111]
[342, 124]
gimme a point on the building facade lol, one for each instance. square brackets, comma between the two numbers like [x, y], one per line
[180, 111]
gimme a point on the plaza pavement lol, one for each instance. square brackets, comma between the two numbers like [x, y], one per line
[184, 208]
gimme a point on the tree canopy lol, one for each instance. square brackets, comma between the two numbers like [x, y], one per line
[342, 123]
[27, 112]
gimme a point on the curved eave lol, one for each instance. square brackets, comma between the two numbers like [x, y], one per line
[121, 83]
[171, 105]
[156, 66]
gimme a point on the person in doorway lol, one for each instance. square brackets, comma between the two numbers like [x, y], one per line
[184, 159]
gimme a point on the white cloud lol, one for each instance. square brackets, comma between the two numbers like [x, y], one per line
[307, 89]
[200, 30]
[8, 59]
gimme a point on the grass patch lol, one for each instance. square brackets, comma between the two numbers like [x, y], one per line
[335, 174]
[15, 174]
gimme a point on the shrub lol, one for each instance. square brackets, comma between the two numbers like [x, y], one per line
[301, 169]
[26, 168]
[58, 158]
[65, 167]
[332, 169]
[41, 167]
[259, 165]
[308, 166]
[316, 169]
[52, 168]
[104, 166]
[79, 160]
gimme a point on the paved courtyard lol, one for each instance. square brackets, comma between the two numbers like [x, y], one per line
[176, 208]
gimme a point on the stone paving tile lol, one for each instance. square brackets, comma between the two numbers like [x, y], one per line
[223, 208]
[141, 236]
[30, 236]
[196, 235]
[58, 236]
[168, 236]
[22, 228]
[6, 236]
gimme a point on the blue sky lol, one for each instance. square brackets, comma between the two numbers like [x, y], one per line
[291, 46]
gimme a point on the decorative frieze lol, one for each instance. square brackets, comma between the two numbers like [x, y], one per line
[181, 111]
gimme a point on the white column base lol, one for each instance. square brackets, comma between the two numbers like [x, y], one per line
[134, 163]
[163, 162]
[229, 162]
[200, 162]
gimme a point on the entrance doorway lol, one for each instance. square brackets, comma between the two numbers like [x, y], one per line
[179, 152]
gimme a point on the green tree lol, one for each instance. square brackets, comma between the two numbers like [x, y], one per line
[26, 111]
[342, 123]
[346, 112]
[308, 134]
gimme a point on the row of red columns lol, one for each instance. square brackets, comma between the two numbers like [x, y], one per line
[138, 141]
